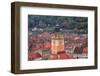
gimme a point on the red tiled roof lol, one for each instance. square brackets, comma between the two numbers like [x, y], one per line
[34, 55]
[47, 45]
[53, 57]
[65, 56]
[85, 50]
[61, 55]
[62, 51]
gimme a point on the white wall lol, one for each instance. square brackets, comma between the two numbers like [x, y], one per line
[5, 33]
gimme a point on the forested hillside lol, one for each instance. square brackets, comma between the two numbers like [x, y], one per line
[65, 22]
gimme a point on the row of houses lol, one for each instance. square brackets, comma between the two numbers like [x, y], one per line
[39, 46]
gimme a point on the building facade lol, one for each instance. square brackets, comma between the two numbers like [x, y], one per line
[57, 41]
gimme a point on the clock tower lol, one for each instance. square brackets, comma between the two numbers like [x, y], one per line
[57, 41]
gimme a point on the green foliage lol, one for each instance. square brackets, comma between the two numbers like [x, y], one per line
[65, 22]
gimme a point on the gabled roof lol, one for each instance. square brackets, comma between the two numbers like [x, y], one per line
[34, 55]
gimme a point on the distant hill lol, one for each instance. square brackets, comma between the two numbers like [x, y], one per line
[65, 22]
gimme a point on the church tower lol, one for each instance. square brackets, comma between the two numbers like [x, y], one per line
[57, 41]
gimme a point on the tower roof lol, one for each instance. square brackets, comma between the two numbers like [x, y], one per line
[57, 28]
